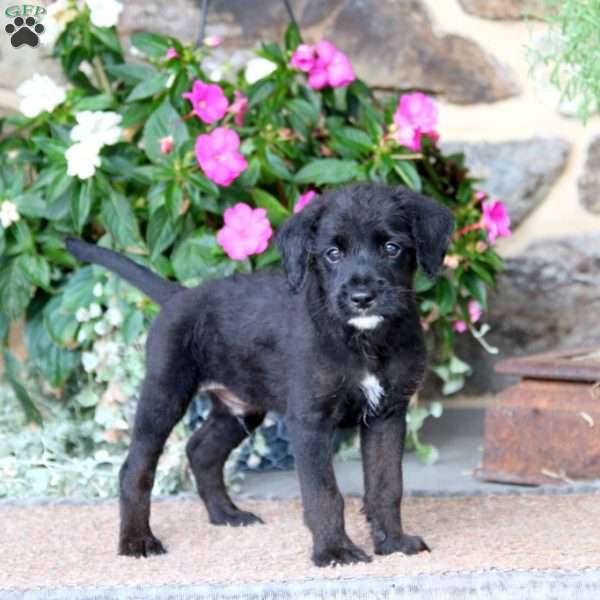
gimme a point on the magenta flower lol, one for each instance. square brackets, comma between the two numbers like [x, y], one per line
[304, 199]
[208, 100]
[480, 196]
[496, 220]
[459, 326]
[219, 156]
[166, 144]
[475, 310]
[325, 65]
[239, 108]
[303, 58]
[171, 53]
[213, 41]
[416, 115]
[246, 231]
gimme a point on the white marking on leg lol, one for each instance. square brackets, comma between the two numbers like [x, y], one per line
[367, 322]
[372, 390]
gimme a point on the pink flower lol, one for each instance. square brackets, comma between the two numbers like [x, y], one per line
[475, 310]
[171, 53]
[304, 199]
[496, 220]
[246, 231]
[416, 115]
[459, 326]
[166, 144]
[303, 58]
[213, 41]
[219, 156]
[480, 196]
[239, 108]
[325, 65]
[208, 100]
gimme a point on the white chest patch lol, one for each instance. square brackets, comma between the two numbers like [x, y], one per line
[368, 322]
[372, 390]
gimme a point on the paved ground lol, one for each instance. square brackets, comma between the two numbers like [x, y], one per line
[458, 434]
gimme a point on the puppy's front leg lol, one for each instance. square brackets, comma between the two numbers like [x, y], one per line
[382, 447]
[311, 438]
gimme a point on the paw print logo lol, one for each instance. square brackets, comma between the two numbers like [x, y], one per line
[24, 32]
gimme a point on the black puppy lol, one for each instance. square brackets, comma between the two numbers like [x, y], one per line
[338, 342]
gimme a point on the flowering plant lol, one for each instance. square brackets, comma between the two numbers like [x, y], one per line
[191, 175]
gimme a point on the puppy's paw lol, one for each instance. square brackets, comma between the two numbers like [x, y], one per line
[145, 546]
[341, 555]
[406, 544]
[238, 518]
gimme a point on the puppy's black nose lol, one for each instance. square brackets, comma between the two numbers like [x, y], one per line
[363, 298]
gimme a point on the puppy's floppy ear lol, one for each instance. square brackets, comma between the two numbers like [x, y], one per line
[294, 241]
[432, 225]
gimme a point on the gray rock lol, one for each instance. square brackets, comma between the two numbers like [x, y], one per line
[520, 173]
[589, 181]
[392, 43]
[547, 298]
[508, 10]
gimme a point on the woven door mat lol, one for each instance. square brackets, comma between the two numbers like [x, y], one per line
[547, 545]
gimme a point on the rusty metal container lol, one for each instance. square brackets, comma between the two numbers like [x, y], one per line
[545, 429]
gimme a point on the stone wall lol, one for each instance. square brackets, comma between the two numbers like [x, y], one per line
[470, 54]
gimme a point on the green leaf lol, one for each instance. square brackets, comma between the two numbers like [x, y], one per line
[4, 327]
[422, 283]
[15, 288]
[97, 102]
[328, 170]
[60, 324]
[151, 44]
[260, 91]
[292, 37]
[133, 325]
[164, 121]
[196, 257]
[275, 211]
[476, 287]
[120, 220]
[277, 166]
[352, 141]
[108, 36]
[161, 232]
[204, 184]
[445, 296]
[79, 290]
[132, 74]
[137, 112]
[55, 363]
[81, 205]
[149, 87]
[36, 268]
[303, 115]
[11, 369]
[173, 200]
[408, 173]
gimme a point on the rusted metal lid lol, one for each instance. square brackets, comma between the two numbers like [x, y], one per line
[578, 364]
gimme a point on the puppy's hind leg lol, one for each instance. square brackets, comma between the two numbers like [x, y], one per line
[207, 450]
[160, 407]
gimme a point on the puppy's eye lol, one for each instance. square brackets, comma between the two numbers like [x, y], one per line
[333, 255]
[392, 250]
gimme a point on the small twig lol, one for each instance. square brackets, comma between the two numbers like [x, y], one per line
[203, 18]
[290, 12]
[103, 81]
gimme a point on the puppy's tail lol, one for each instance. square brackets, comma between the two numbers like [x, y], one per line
[155, 287]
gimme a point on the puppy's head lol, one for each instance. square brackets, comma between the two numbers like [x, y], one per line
[363, 243]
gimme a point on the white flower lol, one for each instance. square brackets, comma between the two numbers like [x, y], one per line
[82, 315]
[99, 127]
[95, 310]
[259, 68]
[58, 15]
[101, 328]
[82, 159]
[40, 93]
[82, 335]
[170, 81]
[89, 361]
[104, 13]
[8, 214]
[114, 317]
[98, 290]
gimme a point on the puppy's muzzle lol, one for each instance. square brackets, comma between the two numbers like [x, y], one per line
[363, 299]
